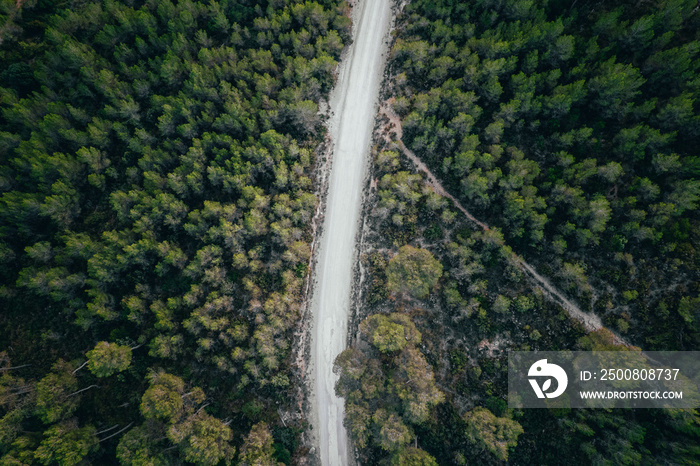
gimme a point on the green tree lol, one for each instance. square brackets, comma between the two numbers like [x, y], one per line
[414, 384]
[414, 271]
[107, 358]
[412, 456]
[689, 309]
[258, 447]
[389, 333]
[393, 433]
[615, 87]
[66, 444]
[163, 398]
[358, 421]
[496, 434]
[501, 304]
[524, 303]
[55, 399]
[202, 439]
[138, 447]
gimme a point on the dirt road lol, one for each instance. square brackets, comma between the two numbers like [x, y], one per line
[353, 105]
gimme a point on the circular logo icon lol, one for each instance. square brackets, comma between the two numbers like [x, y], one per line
[542, 370]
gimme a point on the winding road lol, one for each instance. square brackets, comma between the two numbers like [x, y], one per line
[353, 104]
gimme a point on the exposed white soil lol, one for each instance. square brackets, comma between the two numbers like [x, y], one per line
[353, 105]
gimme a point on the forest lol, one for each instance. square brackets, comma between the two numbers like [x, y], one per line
[158, 180]
[571, 129]
[574, 130]
[156, 191]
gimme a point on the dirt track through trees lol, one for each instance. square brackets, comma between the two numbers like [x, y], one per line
[354, 105]
[591, 322]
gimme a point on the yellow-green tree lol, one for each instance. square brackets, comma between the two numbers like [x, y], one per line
[107, 358]
[66, 444]
[496, 434]
[258, 447]
[202, 439]
[414, 271]
[389, 333]
[53, 394]
[163, 399]
[412, 456]
[139, 447]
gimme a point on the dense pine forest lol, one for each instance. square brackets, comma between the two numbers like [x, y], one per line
[570, 128]
[574, 129]
[158, 165]
[156, 192]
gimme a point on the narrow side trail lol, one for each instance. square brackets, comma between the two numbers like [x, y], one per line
[591, 322]
[354, 106]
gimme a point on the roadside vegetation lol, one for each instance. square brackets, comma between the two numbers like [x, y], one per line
[571, 129]
[156, 191]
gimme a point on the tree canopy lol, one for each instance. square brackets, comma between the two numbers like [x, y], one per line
[157, 185]
[107, 358]
[546, 136]
[414, 271]
[497, 434]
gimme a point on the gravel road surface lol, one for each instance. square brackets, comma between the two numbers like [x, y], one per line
[354, 105]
